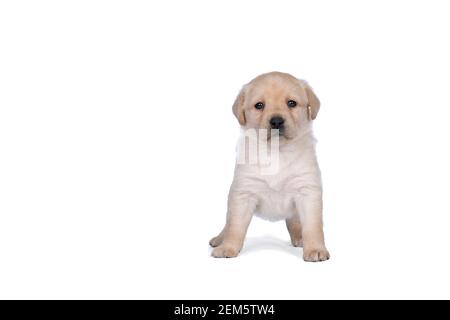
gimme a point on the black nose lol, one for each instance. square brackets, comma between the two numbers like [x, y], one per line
[276, 122]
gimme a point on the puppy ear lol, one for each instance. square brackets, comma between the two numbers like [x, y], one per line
[313, 102]
[238, 106]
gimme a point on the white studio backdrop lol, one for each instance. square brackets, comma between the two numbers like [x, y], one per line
[117, 146]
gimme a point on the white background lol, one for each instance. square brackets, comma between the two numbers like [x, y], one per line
[117, 146]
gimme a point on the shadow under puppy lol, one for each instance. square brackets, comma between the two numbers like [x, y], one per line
[283, 106]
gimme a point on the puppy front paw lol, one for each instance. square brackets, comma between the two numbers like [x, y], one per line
[315, 254]
[224, 251]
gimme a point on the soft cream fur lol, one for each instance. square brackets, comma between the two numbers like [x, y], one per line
[294, 192]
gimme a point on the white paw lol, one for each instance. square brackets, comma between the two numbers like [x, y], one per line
[316, 254]
[225, 252]
[297, 242]
[216, 241]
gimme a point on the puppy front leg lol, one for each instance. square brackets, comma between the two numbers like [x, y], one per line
[310, 210]
[233, 235]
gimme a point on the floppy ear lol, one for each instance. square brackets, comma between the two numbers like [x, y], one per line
[313, 102]
[238, 107]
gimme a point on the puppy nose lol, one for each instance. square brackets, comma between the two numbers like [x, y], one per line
[276, 122]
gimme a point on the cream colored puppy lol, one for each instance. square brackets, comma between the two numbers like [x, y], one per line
[294, 191]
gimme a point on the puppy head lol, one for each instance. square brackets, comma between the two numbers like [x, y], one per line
[276, 101]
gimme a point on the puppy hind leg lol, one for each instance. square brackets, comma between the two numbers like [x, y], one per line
[217, 240]
[294, 227]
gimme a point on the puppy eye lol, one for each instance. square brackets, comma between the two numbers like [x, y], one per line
[291, 103]
[259, 105]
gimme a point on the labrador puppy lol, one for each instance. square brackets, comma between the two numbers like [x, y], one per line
[283, 107]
